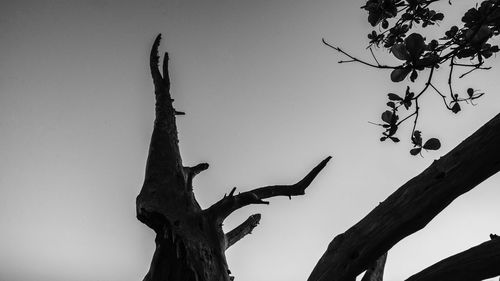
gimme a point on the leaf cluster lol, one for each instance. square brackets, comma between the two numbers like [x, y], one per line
[410, 13]
[467, 46]
[430, 144]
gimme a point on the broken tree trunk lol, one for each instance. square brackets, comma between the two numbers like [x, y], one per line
[190, 242]
[412, 206]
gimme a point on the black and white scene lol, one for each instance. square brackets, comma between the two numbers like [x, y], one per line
[264, 140]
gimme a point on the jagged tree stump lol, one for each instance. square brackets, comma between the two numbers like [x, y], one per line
[190, 242]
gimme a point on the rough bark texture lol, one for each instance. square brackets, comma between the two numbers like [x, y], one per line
[190, 242]
[412, 206]
[477, 263]
[376, 271]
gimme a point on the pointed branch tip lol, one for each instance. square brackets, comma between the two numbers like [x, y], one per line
[166, 77]
[242, 230]
[153, 62]
[229, 204]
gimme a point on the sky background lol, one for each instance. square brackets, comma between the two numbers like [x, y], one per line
[265, 102]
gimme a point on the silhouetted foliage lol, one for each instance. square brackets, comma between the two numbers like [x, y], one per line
[467, 46]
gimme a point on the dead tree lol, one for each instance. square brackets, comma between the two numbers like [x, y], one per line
[190, 242]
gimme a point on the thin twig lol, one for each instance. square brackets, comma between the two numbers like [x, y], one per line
[470, 71]
[449, 78]
[373, 55]
[353, 59]
[442, 96]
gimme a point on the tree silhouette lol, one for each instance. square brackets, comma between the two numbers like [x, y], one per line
[190, 242]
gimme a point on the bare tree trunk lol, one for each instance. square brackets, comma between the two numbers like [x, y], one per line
[412, 206]
[190, 242]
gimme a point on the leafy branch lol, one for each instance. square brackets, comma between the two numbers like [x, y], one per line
[468, 46]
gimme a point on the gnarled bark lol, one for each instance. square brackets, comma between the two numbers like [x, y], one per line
[412, 206]
[190, 242]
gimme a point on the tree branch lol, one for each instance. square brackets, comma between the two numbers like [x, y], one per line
[153, 64]
[413, 206]
[242, 230]
[376, 271]
[231, 203]
[191, 172]
[354, 59]
[477, 263]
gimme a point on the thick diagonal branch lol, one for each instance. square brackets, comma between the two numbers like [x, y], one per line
[242, 230]
[413, 206]
[477, 263]
[230, 203]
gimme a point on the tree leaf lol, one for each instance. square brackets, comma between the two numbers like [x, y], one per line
[407, 104]
[387, 116]
[415, 151]
[400, 52]
[480, 36]
[415, 45]
[373, 17]
[394, 139]
[399, 74]
[394, 97]
[432, 144]
[417, 138]
[438, 16]
[385, 24]
[414, 75]
[455, 108]
[392, 130]
[470, 92]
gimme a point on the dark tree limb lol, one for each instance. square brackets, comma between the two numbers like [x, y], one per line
[191, 172]
[153, 65]
[231, 203]
[242, 230]
[412, 206]
[354, 59]
[376, 271]
[166, 76]
[477, 263]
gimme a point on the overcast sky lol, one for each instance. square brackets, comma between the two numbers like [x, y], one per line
[265, 102]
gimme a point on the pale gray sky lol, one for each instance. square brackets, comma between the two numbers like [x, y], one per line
[265, 101]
